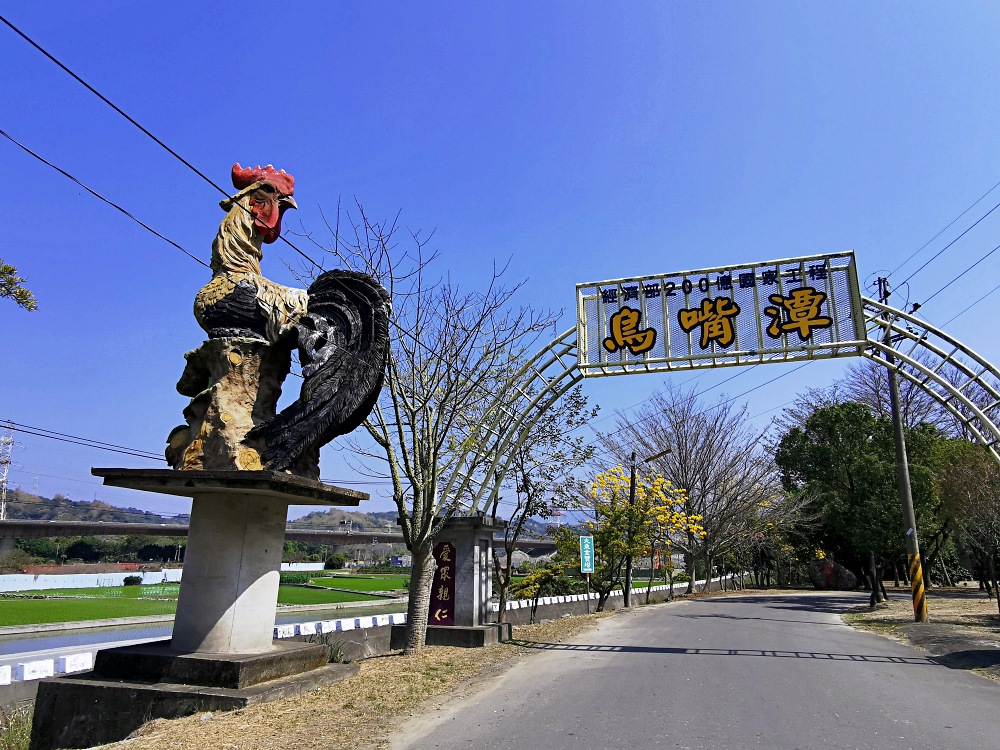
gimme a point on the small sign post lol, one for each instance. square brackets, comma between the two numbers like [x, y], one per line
[587, 562]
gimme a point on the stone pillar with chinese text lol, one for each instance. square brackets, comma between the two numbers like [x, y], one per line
[463, 582]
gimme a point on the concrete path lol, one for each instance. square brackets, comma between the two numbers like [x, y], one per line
[740, 672]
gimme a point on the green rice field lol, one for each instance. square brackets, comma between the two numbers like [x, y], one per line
[120, 601]
[364, 583]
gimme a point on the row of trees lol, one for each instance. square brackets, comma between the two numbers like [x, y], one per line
[94, 549]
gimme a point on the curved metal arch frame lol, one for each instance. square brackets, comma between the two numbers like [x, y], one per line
[555, 369]
[925, 337]
[549, 368]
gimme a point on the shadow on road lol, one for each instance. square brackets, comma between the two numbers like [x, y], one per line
[720, 616]
[831, 603]
[820, 655]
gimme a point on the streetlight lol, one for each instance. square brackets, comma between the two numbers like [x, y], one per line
[631, 501]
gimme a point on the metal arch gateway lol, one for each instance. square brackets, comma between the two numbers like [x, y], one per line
[698, 320]
[554, 370]
[814, 310]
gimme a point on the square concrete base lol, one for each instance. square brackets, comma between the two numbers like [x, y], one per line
[157, 662]
[141, 683]
[455, 635]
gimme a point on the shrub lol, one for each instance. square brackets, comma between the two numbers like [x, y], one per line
[681, 576]
[336, 561]
[132, 581]
[296, 579]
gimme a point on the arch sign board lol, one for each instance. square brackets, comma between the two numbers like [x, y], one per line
[776, 311]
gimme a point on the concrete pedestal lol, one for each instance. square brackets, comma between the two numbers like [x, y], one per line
[221, 655]
[135, 684]
[229, 591]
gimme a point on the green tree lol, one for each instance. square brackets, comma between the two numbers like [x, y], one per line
[844, 457]
[969, 484]
[547, 580]
[11, 287]
[621, 528]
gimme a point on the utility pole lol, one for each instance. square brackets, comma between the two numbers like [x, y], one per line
[903, 474]
[6, 449]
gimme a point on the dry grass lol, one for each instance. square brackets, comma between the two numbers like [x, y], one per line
[356, 714]
[963, 620]
[964, 609]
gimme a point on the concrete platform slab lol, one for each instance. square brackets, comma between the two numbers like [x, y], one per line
[158, 662]
[102, 710]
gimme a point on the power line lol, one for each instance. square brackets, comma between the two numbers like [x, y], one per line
[945, 229]
[987, 255]
[991, 291]
[101, 197]
[78, 440]
[190, 166]
[134, 122]
[710, 408]
[938, 253]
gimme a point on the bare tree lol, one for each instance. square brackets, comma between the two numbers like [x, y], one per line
[451, 351]
[542, 465]
[968, 485]
[714, 455]
[867, 382]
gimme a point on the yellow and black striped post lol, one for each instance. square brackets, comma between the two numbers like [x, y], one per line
[917, 588]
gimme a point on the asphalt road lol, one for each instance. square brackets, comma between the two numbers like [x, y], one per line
[778, 672]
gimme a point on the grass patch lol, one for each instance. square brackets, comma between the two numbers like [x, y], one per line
[15, 727]
[359, 583]
[152, 591]
[40, 611]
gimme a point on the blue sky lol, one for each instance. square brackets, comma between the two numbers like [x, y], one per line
[578, 141]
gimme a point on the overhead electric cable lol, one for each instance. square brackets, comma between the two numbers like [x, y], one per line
[134, 122]
[928, 299]
[938, 253]
[101, 197]
[964, 311]
[945, 229]
[87, 442]
[190, 166]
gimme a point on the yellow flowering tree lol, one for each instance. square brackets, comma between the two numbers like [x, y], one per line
[626, 528]
[674, 528]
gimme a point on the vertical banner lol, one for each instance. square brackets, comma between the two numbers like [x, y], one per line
[586, 554]
[443, 591]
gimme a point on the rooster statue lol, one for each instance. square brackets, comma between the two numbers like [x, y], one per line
[340, 326]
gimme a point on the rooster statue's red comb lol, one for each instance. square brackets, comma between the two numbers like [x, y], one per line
[244, 178]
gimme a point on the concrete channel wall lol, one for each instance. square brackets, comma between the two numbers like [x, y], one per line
[350, 638]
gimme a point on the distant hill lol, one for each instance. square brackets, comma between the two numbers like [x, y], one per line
[332, 518]
[25, 506]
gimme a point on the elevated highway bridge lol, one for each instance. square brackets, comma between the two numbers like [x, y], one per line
[11, 530]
